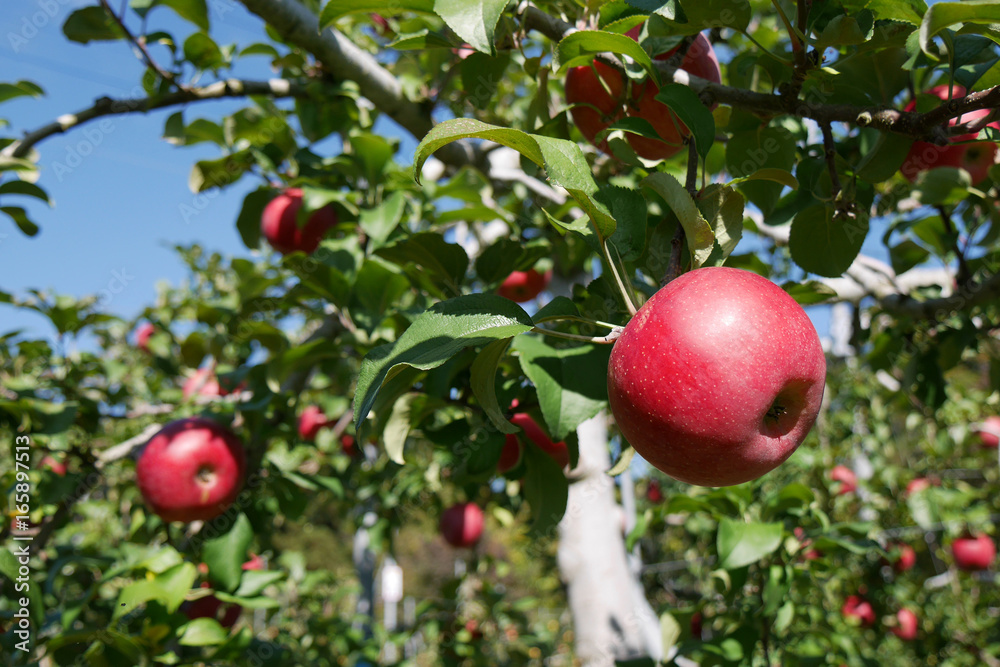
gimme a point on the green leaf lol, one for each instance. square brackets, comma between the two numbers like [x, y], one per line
[484, 373]
[335, 9]
[19, 187]
[774, 175]
[379, 222]
[545, 489]
[943, 186]
[435, 337]
[741, 544]
[202, 51]
[624, 461]
[9, 568]
[497, 261]
[202, 632]
[91, 24]
[722, 206]
[195, 11]
[376, 289]
[420, 41]
[942, 15]
[20, 218]
[810, 292]
[254, 582]
[825, 242]
[168, 587]
[628, 208]
[248, 221]
[397, 427]
[704, 15]
[772, 148]
[571, 381]
[444, 263]
[226, 554]
[882, 161]
[9, 91]
[686, 104]
[220, 173]
[563, 161]
[579, 48]
[473, 21]
[698, 233]
[907, 254]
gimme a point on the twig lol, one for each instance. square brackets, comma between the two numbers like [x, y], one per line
[126, 447]
[106, 106]
[140, 46]
[677, 243]
[830, 152]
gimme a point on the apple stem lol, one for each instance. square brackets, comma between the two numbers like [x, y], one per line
[626, 295]
[577, 318]
[605, 340]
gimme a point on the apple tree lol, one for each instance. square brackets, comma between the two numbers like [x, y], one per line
[415, 345]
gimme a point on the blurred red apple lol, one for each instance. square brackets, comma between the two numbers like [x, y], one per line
[280, 226]
[857, 608]
[202, 383]
[191, 469]
[311, 421]
[212, 607]
[848, 480]
[917, 485]
[142, 335]
[989, 432]
[462, 524]
[905, 558]
[906, 628]
[511, 453]
[522, 286]
[973, 553]
[975, 158]
[56, 466]
[653, 492]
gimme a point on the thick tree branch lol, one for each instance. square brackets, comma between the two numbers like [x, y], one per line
[344, 60]
[106, 106]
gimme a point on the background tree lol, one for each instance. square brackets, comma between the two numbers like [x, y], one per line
[826, 133]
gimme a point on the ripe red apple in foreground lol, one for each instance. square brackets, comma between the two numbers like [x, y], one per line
[142, 335]
[599, 105]
[989, 432]
[973, 553]
[975, 158]
[848, 480]
[462, 524]
[511, 454]
[858, 608]
[521, 286]
[907, 625]
[191, 469]
[311, 421]
[280, 226]
[718, 378]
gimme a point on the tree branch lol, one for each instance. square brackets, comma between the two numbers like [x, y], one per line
[344, 60]
[106, 106]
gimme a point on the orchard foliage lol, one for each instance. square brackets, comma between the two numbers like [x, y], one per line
[394, 328]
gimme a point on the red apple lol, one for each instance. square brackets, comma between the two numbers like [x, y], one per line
[255, 563]
[191, 469]
[280, 226]
[975, 158]
[718, 378]
[917, 485]
[973, 553]
[202, 383]
[311, 421]
[462, 524]
[905, 558]
[349, 445]
[989, 432]
[860, 609]
[58, 467]
[906, 629]
[511, 453]
[521, 286]
[848, 480]
[142, 335]
[811, 554]
[609, 102]
[696, 620]
[653, 492]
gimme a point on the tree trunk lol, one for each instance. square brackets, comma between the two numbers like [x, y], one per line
[611, 616]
